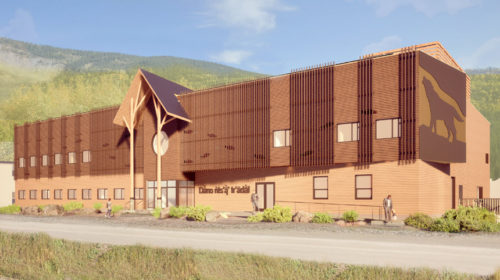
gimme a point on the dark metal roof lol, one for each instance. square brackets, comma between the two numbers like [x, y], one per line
[165, 90]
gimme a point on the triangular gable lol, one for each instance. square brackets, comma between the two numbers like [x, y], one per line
[164, 90]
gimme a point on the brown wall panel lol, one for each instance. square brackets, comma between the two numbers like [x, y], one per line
[365, 110]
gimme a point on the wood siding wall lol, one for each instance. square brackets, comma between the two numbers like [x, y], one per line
[365, 111]
[229, 129]
[312, 117]
[407, 105]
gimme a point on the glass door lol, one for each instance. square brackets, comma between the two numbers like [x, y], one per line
[265, 192]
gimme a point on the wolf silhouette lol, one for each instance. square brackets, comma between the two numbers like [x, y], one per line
[440, 110]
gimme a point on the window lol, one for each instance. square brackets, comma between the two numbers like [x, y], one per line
[119, 194]
[139, 193]
[102, 194]
[487, 158]
[45, 194]
[57, 159]
[33, 161]
[32, 194]
[21, 162]
[480, 192]
[363, 186]
[45, 160]
[72, 194]
[281, 138]
[21, 195]
[86, 156]
[348, 132]
[390, 128]
[320, 187]
[71, 157]
[86, 194]
[57, 194]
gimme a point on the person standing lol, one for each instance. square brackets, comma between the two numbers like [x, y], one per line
[255, 202]
[388, 208]
[108, 208]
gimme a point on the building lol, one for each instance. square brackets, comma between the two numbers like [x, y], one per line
[329, 138]
[7, 187]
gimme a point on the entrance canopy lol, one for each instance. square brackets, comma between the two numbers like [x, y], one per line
[147, 85]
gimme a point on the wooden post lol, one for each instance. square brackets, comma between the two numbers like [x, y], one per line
[159, 125]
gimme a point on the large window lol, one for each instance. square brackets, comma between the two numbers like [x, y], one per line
[390, 128]
[71, 194]
[139, 193]
[320, 187]
[45, 194]
[86, 194]
[86, 156]
[57, 159]
[348, 132]
[33, 161]
[71, 157]
[32, 194]
[21, 162]
[102, 194]
[363, 186]
[281, 138]
[21, 195]
[58, 194]
[45, 160]
[119, 194]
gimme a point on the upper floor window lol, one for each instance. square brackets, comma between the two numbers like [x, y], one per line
[33, 161]
[21, 162]
[57, 159]
[348, 132]
[71, 157]
[389, 128]
[281, 138]
[45, 160]
[86, 156]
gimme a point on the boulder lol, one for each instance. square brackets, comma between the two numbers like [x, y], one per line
[212, 216]
[164, 213]
[52, 210]
[30, 210]
[224, 215]
[302, 217]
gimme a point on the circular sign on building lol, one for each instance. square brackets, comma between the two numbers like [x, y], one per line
[163, 143]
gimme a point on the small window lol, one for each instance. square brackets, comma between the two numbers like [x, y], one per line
[57, 159]
[102, 194]
[281, 138]
[33, 161]
[72, 194]
[347, 132]
[57, 194]
[21, 195]
[45, 160]
[119, 194]
[363, 186]
[139, 193]
[45, 194]
[32, 194]
[86, 156]
[86, 194]
[320, 187]
[21, 162]
[389, 128]
[487, 158]
[71, 157]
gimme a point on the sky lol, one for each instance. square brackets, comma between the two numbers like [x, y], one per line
[265, 36]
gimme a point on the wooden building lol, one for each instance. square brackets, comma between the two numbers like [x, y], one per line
[330, 138]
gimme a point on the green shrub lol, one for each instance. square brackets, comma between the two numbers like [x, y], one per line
[444, 225]
[41, 207]
[322, 218]
[277, 214]
[156, 212]
[256, 218]
[472, 218]
[11, 209]
[419, 220]
[177, 212]
[73, 205]
[97, 207]
[350, 216]
[197, 213]
[116, 208]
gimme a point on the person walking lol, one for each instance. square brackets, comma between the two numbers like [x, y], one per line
[255, 202]
[388, 208]
[108, 208]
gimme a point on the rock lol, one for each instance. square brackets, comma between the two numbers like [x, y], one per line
[224, 215]
[340, 223]
[302, 217]
[30, 210]
[360, 223]
[52, 210]
[165, 213]
[212, 216]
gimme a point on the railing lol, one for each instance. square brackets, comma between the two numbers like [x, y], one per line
[335, 208]
[492, 204]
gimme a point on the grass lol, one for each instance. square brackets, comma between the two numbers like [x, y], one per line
[11, 209]
[37, 256]
[73, 205]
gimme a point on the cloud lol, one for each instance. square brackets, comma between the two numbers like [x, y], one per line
[487, 55]
[427, 7]
[231, 56]
[254, 15]
[20, 27]
[387, 43]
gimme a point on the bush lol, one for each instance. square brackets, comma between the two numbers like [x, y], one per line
[322, 218]
[197, 213]
[11, 209]
[74, 205]
[419, 220]
[177, 212]
[472, 218]
[277, 214]
[116, 208]
[256, 218]
[41, 207]
[350, 216]
[156, 212]
[97, 207]
[444, 225]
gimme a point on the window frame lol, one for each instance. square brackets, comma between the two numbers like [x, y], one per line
[33, 197]
[45, 194]
[32, 161]
[352, 124]
[22, 163]
[56, 157]
[141, 193]
[99, 194]
[60, 191]
[74, 194]
[21, 197]
[314, 187]
[356, 187]
[392, 128]
[122, 194]
[45, 160]
[86, 194]
[88, 157]
[287, 142]
[71, 157]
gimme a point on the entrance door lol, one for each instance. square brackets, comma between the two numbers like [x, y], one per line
[151, 197]
[266, 195]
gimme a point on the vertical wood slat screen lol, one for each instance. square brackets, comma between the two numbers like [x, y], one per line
[38, 140]
[312, 117]
[50, 149]
[407, 105]
[64, 155]
[26, 156]
[78, 141]
[365, 111]
[230, 127]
